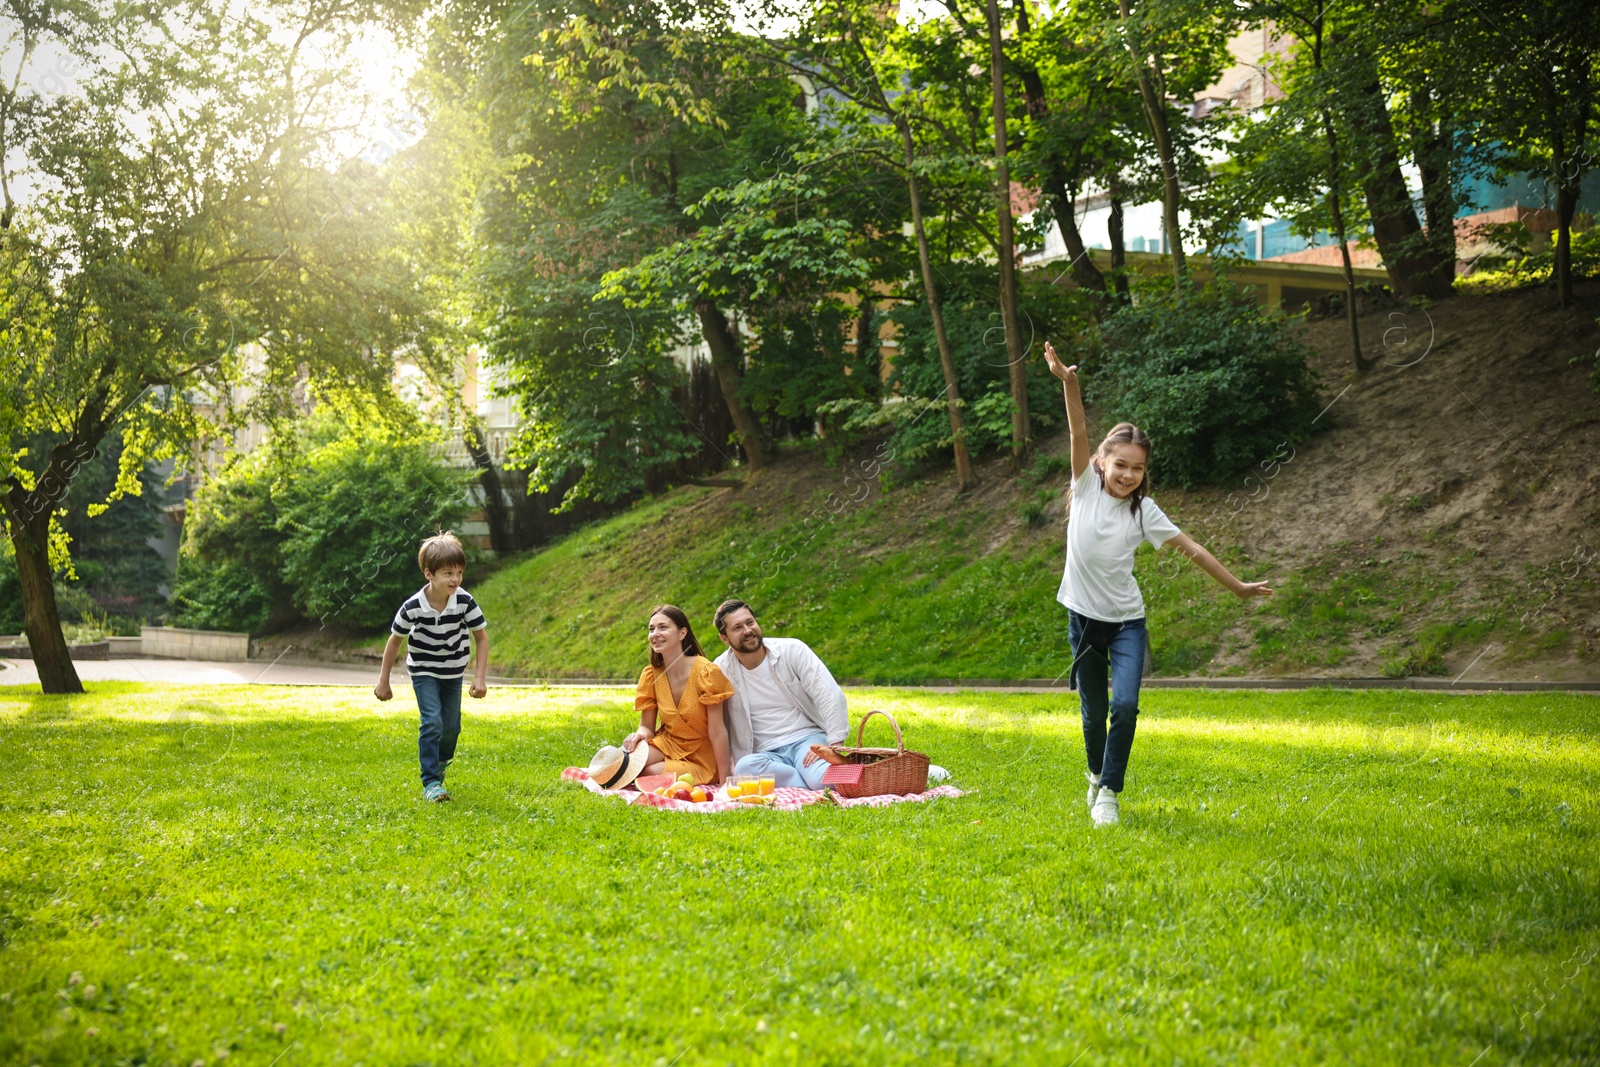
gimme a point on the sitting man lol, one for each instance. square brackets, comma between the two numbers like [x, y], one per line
[784, 701]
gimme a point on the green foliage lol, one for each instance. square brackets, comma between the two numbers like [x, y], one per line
[182, 213]
[114, 563]
[10, 596]
[1515, 265]
[1217, 384]
[977, 341]
[800, 364]
[1412, 872]
[329, 531]
[107, 517]
[352, 517]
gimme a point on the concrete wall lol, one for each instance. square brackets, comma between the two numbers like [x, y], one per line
[170, 642]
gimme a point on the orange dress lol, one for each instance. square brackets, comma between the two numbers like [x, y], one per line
[683, 728]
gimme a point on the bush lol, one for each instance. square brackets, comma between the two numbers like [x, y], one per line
[10, 595]
[352, 522]
[224, 595]
[1515, 265]
[1216, 382]
[329, 531]
[115, 574]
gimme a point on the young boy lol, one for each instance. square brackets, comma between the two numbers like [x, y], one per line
[437, 620]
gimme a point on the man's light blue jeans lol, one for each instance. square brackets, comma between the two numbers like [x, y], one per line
[786, 765]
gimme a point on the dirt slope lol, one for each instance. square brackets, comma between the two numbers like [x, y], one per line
[1471, 453]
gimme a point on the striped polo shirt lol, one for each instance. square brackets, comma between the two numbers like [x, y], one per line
[438, 639]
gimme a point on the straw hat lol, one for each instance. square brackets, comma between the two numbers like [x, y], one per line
[614, 768]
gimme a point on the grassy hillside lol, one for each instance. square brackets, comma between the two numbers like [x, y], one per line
[1443, 522]
[899, 587]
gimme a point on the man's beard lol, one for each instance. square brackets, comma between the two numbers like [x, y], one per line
[744, 646]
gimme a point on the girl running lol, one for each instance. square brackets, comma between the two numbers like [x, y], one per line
[1111, 514]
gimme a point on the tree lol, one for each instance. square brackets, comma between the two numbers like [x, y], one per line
[1168, 50]
[1536, 110]
[618, 117]
[187, 201]
[850, 47]
[1021, 433]
[1395, 227]
[1288, 158]
[1080, 128]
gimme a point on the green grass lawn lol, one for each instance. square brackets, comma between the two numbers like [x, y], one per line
[249, 874]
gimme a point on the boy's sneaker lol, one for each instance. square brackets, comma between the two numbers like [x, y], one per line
[1094, 787]
[1104, 811]
[434, 791]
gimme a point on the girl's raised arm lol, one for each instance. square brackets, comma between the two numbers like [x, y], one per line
[1077, 422]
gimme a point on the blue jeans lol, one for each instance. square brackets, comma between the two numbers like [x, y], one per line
[1103, 651]
[439, 704]
[786, 765]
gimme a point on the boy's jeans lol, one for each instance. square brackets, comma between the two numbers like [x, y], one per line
[1100, 649]
[785, 765]
[439, 704]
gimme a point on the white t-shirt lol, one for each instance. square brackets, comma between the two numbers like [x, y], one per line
[1102, 533]
[774, 720]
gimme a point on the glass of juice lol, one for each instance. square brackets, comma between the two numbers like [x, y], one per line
[735, 787]
[767, 785]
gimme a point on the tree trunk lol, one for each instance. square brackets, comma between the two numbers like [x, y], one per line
[1434, 152]
[1156, 114]
[1336, 209]
[1118, 247]
[1394, 219]
[502, 531]
[1021, 431]
[1152, 98]
[1566, 205]
[1063, 208]
[864, 342]
[27, 513]
[1569, 171]
[1057, 189]
[952, 390]
[728, 363]
[41, 620]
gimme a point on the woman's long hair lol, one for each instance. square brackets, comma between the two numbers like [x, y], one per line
[691, 647]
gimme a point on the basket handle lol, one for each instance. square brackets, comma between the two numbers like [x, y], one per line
[862, 733]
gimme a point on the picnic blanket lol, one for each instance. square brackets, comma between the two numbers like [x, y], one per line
[783, 799]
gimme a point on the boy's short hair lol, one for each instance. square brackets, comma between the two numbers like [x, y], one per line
[441, 550]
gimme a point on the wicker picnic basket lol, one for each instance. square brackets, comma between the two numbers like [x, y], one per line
[884, 770]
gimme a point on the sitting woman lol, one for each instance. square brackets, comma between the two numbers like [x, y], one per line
[681, 702]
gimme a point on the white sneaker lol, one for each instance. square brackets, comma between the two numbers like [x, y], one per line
[1094, 787]
[1104, 811]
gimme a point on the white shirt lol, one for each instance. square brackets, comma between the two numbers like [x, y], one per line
[806, 681]
[1102, 533]
[774, 720]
